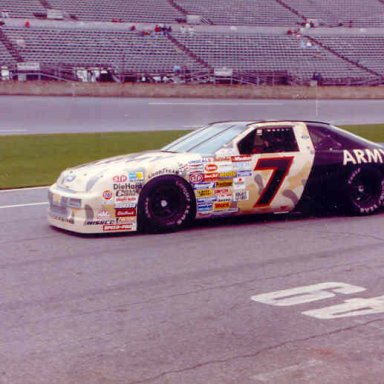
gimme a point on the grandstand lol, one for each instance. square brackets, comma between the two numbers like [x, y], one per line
[253, 41]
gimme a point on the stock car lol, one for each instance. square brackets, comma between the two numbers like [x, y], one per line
[225, 168]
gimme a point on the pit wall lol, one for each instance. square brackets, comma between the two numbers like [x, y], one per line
[42, 88]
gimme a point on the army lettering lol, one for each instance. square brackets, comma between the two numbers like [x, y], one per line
[363, 156]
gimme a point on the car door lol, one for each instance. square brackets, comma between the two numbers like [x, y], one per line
[281, 157]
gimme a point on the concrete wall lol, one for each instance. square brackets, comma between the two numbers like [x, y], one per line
[42, 88]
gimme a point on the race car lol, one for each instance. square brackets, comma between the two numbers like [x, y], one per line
[225, 168]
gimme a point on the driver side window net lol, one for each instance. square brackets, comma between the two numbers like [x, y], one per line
[269, 140]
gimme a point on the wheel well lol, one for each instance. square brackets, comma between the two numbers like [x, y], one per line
[157, 179]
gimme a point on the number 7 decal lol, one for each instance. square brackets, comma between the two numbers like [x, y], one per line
[280, 167]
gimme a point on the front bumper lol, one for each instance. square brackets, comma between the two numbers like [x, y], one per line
[85, 213]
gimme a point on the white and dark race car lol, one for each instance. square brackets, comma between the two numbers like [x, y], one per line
[225, 168]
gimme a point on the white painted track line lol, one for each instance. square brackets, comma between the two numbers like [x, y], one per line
[23, 205]
[209, 103]
[22, 189]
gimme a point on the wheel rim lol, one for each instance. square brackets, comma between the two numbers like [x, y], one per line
[165, 202]
[364, 190]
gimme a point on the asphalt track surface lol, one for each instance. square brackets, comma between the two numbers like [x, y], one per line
[177, 308]
[32, 115]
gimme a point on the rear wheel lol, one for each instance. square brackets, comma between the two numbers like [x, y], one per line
[364, 191]
[166, 204]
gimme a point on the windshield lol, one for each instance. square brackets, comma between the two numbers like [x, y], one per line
[207, 140]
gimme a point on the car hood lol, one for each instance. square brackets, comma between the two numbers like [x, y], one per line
[136, 167]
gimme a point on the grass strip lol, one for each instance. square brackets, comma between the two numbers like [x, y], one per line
[34, 160]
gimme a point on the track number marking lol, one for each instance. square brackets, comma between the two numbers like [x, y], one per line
[350, 308]
[306, 294]
[315, 292]
[280, 167]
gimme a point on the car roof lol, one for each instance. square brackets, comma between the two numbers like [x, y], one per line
[248, 122]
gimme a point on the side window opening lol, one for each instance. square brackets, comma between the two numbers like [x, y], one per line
[269, 140]
[324, 140]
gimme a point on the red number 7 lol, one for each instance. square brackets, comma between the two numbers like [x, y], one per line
[280, 167]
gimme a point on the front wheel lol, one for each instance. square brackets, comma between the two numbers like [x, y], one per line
[364, 191]
[166, 204]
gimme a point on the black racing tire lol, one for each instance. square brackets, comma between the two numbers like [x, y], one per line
[364, 192]
[166, 204]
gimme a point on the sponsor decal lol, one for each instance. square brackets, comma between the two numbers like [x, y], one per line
[120, 178]
[222, 191]
[211, 176]
[127, 199]
[226, 152]
[206, 200]
[221, 205]
[244, 173]
[196, 177]
[125, 212]
[127, 187]
[126, 219]
[126, 193]
[119, 227]
[227, 175]
[204, 186]
[125, 205]
[208, 159]
[239, 183]
[103, 215]
[224, 197]
[195, 162]
[224, 166]
[204, 207]
[245, 165]
[210, 168]
[99, 222]
[107, 194]
[363, 156]
[135, 176]
[241, 158]
[204, 192]
[164, 171]
[240, 195]
[224, 183]
[196, 165]
[68, 220]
